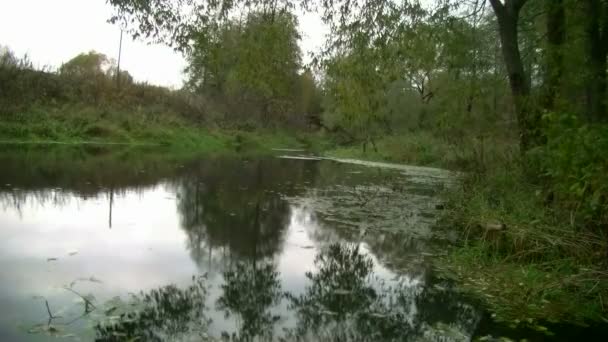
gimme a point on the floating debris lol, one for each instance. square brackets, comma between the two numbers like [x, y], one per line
[288, 150]
[342, 292]
[407, 170]
[378, 315]
[300, 157]
[51, 259]
[94, 280]
[362, 232]
[328, 313]
[110, 310]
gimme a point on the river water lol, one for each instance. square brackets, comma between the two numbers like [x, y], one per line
[124, 244]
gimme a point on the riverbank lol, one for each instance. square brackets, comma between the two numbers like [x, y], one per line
[520, 248]
[516, 251]
[82, 124]
[78, 125]
[521, 254]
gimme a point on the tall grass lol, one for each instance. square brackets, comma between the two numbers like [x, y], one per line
[427, 148]
[521, 252]
[72, 123]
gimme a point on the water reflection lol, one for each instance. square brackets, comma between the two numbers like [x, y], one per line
[167, 313]
[236, 211]
[249, 292]
[291, 249]
[249, 224]
[343, 301]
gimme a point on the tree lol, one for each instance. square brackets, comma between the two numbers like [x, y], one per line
[596, 49]
[7, 57]
[556, 35]
[354, 89]
[507, 15]
[87, 72]
[413, 40]
[249, 65]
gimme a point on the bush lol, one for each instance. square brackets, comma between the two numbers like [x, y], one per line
[575, 167]
[518, 253]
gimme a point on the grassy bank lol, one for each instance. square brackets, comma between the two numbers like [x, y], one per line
[72, 124]
[77, 124]
[521, 253]
[534, 229]
[425, 148]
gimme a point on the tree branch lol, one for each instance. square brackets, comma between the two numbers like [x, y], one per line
[518, 4]
[88, 304]
[604, 26]
[48, 309]
[497, 6]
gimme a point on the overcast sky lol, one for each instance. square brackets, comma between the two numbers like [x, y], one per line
[53, 31]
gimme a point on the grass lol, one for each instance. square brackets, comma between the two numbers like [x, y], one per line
[426, 148]
[77, 124]
[420, 148]
[539, 267]
[516, 292]
[73, 124]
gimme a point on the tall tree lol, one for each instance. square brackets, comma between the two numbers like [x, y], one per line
[556, 36]
[596, 31]
[508, 14]
[88, 70]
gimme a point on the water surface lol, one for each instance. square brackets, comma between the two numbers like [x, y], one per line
[113, 243]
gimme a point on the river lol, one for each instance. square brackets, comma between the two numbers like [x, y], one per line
[125, 244]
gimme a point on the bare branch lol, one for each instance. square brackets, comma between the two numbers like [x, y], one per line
[87, 302]
[48, 309]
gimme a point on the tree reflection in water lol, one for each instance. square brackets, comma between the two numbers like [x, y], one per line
[235, 211]
[343, 301]
[249, 292]
[165, 314]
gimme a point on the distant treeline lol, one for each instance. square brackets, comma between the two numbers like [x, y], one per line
[236, 95]
[87, 79]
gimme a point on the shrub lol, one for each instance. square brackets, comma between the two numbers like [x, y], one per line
[575, 167]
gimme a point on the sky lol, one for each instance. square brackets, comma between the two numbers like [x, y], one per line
[51, 32]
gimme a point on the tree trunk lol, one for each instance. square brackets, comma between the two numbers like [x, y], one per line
[596, 31]
[556, 35]
[507, 14]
